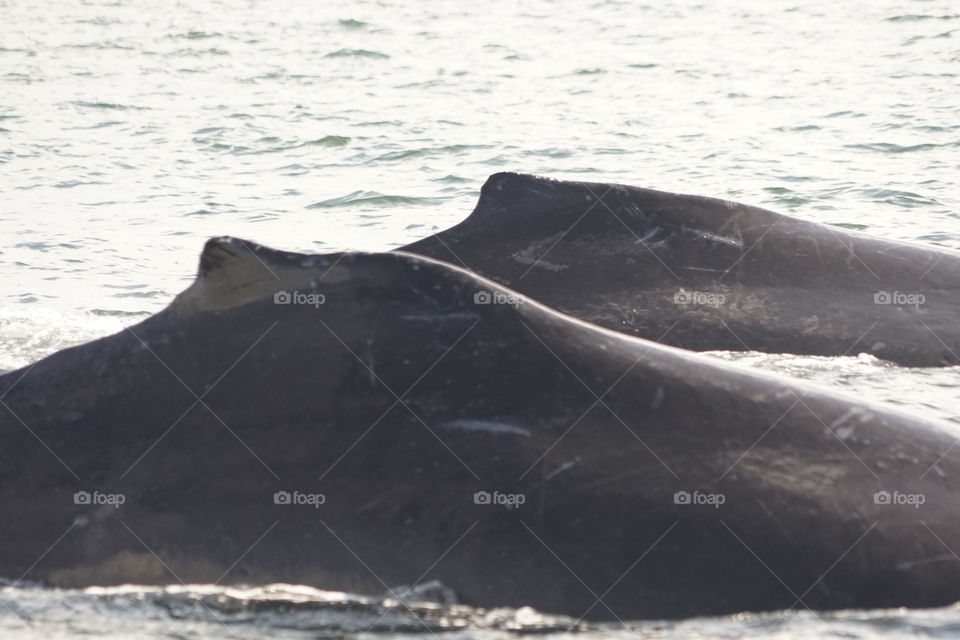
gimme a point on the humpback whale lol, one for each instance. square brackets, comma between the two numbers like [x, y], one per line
[361, 421]
[708, 274]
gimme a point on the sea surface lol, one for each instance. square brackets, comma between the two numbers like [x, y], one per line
[131, 131]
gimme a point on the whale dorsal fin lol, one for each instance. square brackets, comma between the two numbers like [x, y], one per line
[506, 191]
[234, 272]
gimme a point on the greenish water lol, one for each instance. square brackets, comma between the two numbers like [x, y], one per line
[130, 131]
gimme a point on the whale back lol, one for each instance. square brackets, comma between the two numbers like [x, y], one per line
[403, 391]
[708, 274]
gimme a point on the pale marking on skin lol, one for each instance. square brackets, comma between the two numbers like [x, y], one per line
[440, 317]
[733, 242]
[657, 399]
[646, 237]
[565, 466]
[910, 564]
[530, 255]
[844, 431]
[705, 269]
[489, 426]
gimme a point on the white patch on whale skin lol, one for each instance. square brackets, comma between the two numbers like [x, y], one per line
[733, 242]
[910, 564]
[645, 239]
[565, 466]
[657, 399]
[845, 431]
[810, 324]
[706, 269]
[440, 317]
[489, 426]
[533, 254]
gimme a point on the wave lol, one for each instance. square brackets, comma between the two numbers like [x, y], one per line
[372, 198]
[888, 147]
[110, 106]
[357, 53]
[282, 607]
[919, 17]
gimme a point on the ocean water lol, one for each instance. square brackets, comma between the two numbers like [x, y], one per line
[131, 131]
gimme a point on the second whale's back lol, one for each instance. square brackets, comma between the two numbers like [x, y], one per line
[707, 274]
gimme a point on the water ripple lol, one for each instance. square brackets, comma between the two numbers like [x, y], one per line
[372, 198]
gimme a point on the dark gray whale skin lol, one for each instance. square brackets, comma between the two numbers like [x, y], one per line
[596, 430]
[617, 256]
